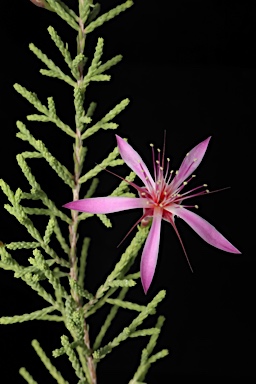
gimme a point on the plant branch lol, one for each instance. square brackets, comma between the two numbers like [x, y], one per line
[78, 163]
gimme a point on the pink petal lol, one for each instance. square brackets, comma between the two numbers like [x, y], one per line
[190, 163]
[150, 252]
[134, 161]
[106, 204]
[204, 229]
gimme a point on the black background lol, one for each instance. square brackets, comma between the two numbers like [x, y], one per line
[189, 69]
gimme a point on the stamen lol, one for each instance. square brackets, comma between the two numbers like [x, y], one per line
[194, 195]
[184, 250]
[188, 206]
[194, 189]
[195, 160]
[164, 149]
[139, 189]
[137, 222]
[159, 158]
[170, 176]
[167, 168]
[153, 158]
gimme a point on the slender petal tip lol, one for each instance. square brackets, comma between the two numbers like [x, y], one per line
[134, 161]
[150, 253]
[108, 204]
[206, 230]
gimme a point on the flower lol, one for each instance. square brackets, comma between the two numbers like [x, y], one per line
[160, 198]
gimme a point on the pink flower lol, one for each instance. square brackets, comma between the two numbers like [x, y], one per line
[161, 197]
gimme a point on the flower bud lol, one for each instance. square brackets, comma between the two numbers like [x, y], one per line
[41, 4]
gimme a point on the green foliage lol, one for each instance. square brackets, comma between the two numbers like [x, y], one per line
[128, 331]
[26, 375]
[48, 114]
[110, 161]
[37, 315]
[105, 123]
[59, 168]
[47, 363]
[58, 275]
[72, 357]
[108, 16]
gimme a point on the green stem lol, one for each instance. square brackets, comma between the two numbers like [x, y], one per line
[74, 226]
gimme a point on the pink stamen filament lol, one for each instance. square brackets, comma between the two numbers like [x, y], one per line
[131, 229]
[194, 189]
[147, 181]
[153, 159]
[170, 177]
[167, 169]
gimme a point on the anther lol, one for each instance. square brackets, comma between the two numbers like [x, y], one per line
[185, 182]
[151, 145]
[187, 154]
[207, 191]
[168, 159]
[205, 185]
[196, 206]
[157, 161]
[195, 160]
[193, 175]
[158, 150]
[161, 168]
[176, 173]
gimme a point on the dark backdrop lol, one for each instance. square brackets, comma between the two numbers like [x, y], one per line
[189, 69]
